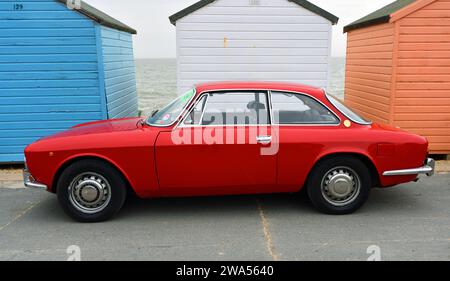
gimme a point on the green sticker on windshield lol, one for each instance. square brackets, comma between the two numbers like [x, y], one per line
[188, 95]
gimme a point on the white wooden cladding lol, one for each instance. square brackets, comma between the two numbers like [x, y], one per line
[258, 40]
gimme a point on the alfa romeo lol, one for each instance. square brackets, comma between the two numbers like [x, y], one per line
[227, 138]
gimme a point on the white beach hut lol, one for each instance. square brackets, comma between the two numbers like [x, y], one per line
[271, 40]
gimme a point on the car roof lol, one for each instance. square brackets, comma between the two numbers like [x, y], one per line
[254, 85]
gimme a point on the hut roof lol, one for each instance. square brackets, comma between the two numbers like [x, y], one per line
[382, 15]
[305, 4]
[101, 17]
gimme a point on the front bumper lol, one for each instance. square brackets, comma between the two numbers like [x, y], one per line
[29, 181]
[427, 169]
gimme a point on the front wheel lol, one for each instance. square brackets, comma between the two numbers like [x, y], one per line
[339, 185]
[91, 191]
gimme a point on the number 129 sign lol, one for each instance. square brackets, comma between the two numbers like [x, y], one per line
[18, 7]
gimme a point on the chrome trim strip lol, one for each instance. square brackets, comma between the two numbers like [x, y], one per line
[428, 169]
[269, 96]
[203, 111]
[264, 139]
[368, 123]
[31, 183]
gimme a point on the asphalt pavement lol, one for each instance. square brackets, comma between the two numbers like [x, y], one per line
[407, 222]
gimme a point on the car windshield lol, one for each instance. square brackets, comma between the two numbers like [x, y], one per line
[350, 114]
[169, 114]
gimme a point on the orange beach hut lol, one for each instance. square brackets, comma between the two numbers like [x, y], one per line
[398, 68]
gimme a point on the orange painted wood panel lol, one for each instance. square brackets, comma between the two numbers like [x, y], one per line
[372, 55]
[424, 62]
[371, 35]
[439, 139]
[415, 78]
[363, 62]
[423, 116]
[374, 97]
[371, 42]
[370, 76]
[371, 49]
[370, 29]
[368, 102]
[369, 69]
[437, 148]
[422, 109]
[439, 30]
[423, 124]
[423, 38]
[424, 46]
[422, 86]
[424, 70]
[372, 114]
[422, 94]
[425, 21]
[368, 89]
[422, 101]
[372, 83]
[430, 131]
[438, 5]
[431, 14]
[424, 54]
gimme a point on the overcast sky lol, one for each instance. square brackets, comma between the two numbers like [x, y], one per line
[156, 35]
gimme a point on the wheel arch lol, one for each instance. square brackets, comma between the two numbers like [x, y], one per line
[77, 158]
[374, 174]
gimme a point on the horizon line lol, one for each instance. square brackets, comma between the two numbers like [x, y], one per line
[147, 58]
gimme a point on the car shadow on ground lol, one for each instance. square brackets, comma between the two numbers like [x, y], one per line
[381, 201]
[236, 206]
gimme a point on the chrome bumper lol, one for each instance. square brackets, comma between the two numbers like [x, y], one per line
[30, 182]
[427, 169]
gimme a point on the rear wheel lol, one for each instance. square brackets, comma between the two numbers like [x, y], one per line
[91, 191]
[339, 185]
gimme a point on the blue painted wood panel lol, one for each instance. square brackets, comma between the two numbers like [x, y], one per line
[49, 73]
[119, 73]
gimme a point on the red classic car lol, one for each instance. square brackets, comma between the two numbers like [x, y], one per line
[223, 139]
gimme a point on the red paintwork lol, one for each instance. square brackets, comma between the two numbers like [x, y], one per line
[154, 166]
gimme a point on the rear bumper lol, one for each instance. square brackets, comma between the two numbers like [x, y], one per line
[30, 182]
[427, 169]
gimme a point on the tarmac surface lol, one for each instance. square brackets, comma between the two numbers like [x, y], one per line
[407, 222]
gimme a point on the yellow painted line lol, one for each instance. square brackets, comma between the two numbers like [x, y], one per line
[21, 214]
[267, 234]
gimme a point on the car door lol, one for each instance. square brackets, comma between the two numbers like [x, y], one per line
[220, 147]
[305, 127]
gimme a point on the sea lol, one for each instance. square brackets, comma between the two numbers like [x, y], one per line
[157, 84]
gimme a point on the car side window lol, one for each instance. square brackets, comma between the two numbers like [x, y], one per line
[236, 108]
[290, 108]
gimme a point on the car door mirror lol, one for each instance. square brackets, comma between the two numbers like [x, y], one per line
[154, 112]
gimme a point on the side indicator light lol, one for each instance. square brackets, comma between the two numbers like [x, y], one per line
[347, 123]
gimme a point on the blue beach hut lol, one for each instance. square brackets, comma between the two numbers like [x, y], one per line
[61, 63]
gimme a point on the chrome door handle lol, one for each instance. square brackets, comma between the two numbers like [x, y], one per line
[264, 139]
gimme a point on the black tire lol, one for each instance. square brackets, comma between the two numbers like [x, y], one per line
[344, 166]
[107, 175]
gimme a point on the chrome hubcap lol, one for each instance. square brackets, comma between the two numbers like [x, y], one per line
[340, 186]
[90, 193]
